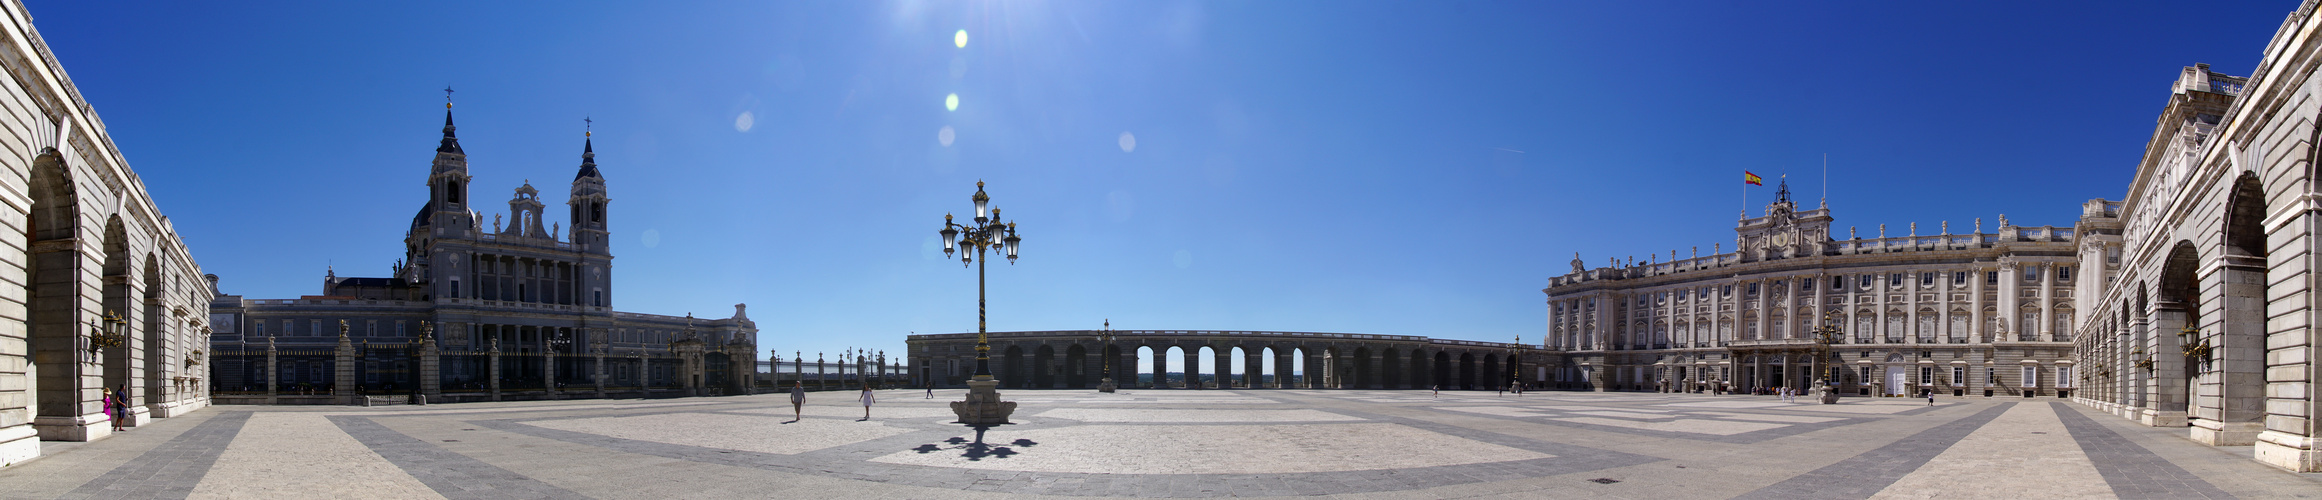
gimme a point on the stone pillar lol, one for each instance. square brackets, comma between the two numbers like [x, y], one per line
[2165, 391]
[430, 366]
[597, 375]
[1253, 367]
[548, 371]
[2009, 312]
[1975, 305]
[343, 384]
[273, 374]
[2235, 402]
[1821, 287]
[1222, 360]
[645, 373]
[1281, 368]
[1312, 364]
[2048, 304]
[1192, 370]
[493, 384]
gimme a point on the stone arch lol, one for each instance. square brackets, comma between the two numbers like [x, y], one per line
[2237, 396]
[1044, 366]
[1490, 375]
[160, 353]
[1443, 370]
[115, 294]
[1363, 370]
[1467, 367]
[1390, 369]
[1076, 373]
[1012, 369]
[2176, 306]
[64, 391]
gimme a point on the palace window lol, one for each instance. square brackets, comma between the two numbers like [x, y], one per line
[1926, 375]
[455, 288]
[2064, 376]
[371, 328]
[1991, 377]
[1866, 281]
[1837, 282]
[1728, 291]
[1959, 278]
[1958, 376]
[1895, 279]
[1926, 279]
[2063, 273]
[1866, 375]
[399, 331]
[1805, 284]
[261, 330]
[2031, 274]
[1753, 289]
[2031, 377]
[1991, 277]
[314, 327]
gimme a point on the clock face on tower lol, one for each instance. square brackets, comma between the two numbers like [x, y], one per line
[1781, 240]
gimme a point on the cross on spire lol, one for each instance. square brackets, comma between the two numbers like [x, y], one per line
[447, 92]
[589, 126]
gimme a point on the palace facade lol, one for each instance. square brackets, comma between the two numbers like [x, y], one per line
[97, 290]
[2205, 319]
[514, 311]
[1965, 314]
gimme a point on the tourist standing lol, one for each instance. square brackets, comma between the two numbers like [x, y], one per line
[797, 401]
[1930, 393]
[867, 400]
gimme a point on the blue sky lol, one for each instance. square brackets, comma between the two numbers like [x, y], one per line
[1363, 167]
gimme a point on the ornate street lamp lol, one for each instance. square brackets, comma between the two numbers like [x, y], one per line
[106, 334]
[1515, 363]
[1107, 335]
[983, 405]
[1826, 334]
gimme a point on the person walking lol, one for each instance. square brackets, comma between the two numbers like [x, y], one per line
[798, 401]
[867, 400]
[1437, 391]
[1930, 393]
[930, 391]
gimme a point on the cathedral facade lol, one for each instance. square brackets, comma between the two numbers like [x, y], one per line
[516, 309]
[1974, 313]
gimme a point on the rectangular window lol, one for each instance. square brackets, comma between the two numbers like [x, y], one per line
[286, 330]
[261, 331]
[1837, 282]
[455, 288]
[1926, 375]
[1805, 284]
[1728, 290]
[399, 331]
[1753, 289]
[314, 327]
[1958, 376]
[1926, 279]
[2064, 377]
[1959, 278]
[1991, 277]
[371, 328]
[2031, 274]
[1866, 376]
[1991, 377]
[2064, 273]
[1895, 279]
[2031, 377]
[1866, 281]
[598, 297]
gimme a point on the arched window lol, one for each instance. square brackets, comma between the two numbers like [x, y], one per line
[451, 191]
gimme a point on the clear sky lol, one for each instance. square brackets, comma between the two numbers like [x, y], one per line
[1363, 167]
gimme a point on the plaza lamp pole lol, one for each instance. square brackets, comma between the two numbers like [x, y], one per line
[1826, 335]
[1515, 363]
[986, 233]
[1107, 335]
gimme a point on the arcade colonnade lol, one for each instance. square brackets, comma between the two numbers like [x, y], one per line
[1074, 359]
[84, 241]
[2205, 320]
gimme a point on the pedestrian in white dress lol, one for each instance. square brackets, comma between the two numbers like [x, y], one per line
[867, 400]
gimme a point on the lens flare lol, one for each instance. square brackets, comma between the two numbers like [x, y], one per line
[951, 102]
[1128, 142]
[959, 39]
[745, 121]
[945, 136]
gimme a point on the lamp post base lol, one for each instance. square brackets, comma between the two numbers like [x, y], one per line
[983, 405]
[1106, 386]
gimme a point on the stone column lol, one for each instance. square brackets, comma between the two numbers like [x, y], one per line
[343, 383]
[430, 367]
[645, 373]
[2238, 410]
[493, 384]
[598, 375]
[548, 369]
[2009, 312]
[1821, 306]
[1975, 319]
[2048, 304]
[2165, 391]
[1160, 367]
[1253, 367]
[1192, 354]
[1222, 359]
[1765, 307]
[273, 374]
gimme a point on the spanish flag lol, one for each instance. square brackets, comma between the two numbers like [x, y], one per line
[1752, 179]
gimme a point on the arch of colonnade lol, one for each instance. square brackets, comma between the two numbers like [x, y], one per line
[1078, 359]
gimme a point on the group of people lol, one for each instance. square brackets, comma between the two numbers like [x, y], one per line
[117, 406]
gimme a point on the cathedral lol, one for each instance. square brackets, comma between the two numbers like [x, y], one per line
[512, 308]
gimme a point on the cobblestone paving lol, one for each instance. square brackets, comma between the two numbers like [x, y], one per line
[1160, 443]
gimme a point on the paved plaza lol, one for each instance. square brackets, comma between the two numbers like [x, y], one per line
[1161, 443]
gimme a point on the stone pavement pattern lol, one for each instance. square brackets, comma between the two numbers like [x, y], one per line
[1161, 443]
